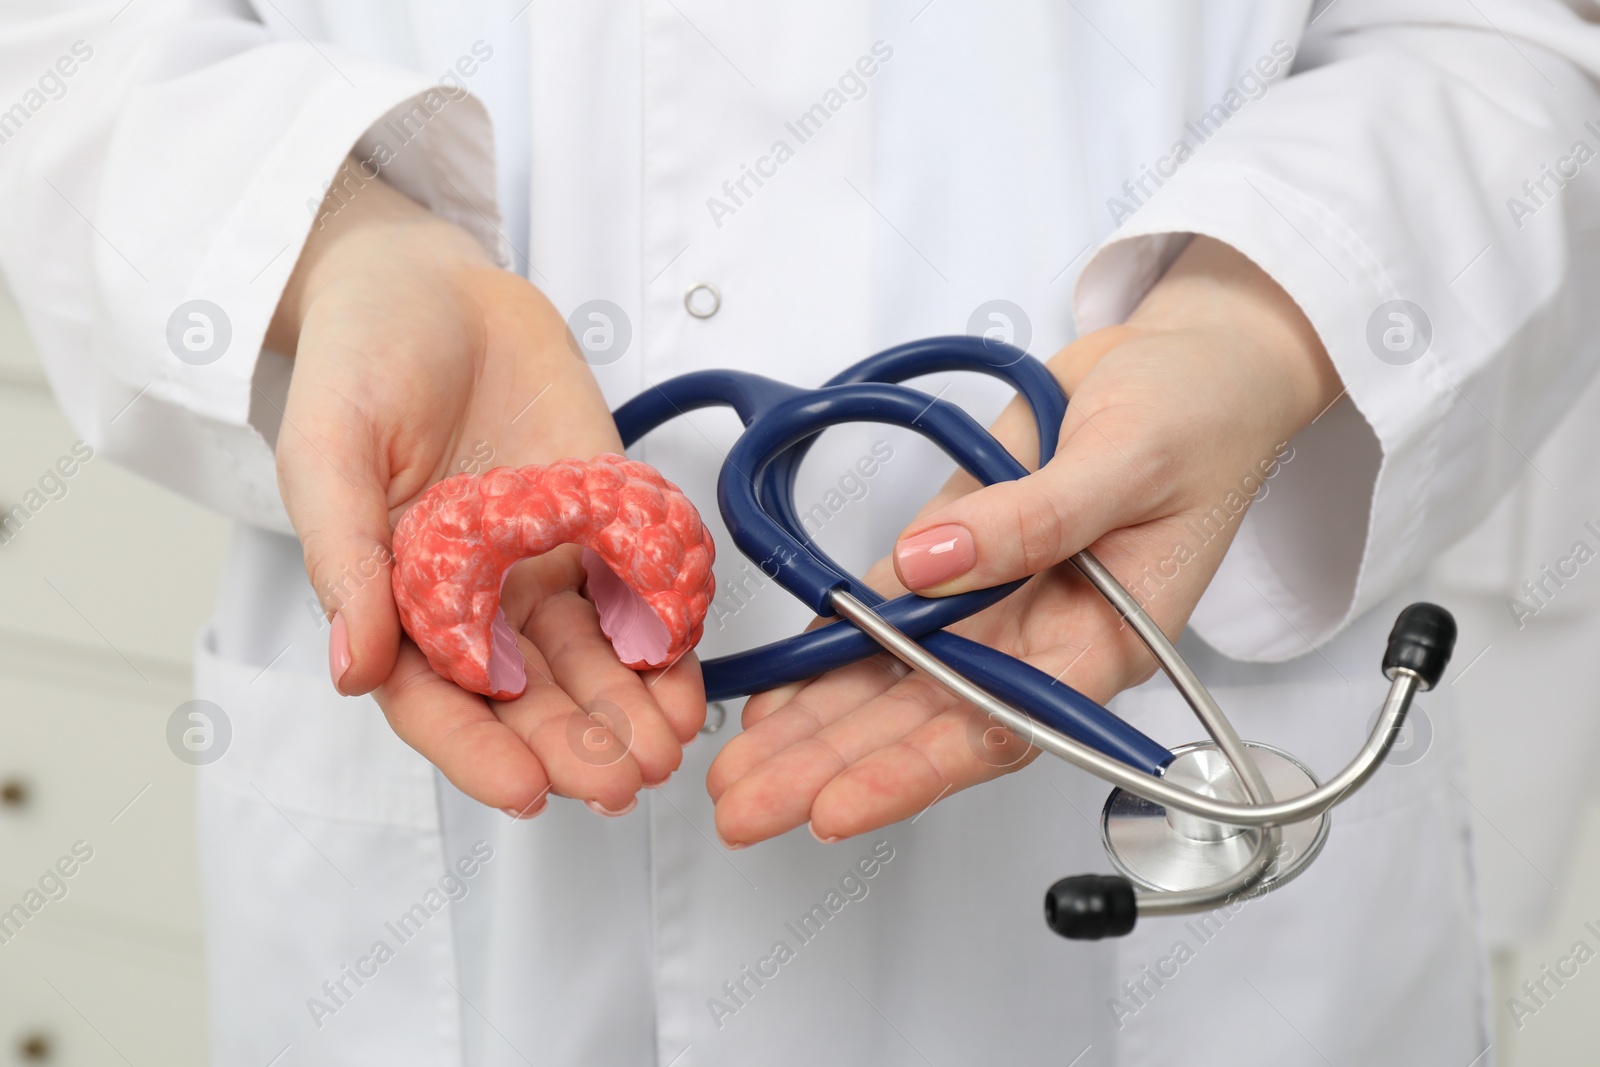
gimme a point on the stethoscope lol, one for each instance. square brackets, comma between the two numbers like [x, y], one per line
[1188, 829]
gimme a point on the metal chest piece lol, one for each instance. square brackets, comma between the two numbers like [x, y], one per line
[1176, 851]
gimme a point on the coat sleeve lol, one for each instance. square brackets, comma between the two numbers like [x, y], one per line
[162, 163]
[1420, 185]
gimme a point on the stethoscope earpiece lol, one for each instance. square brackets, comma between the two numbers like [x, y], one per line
[1421, 641]
[1087, 907]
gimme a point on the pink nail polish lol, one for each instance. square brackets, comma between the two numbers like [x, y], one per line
[338, 649]
[595, 807]
[935, 556]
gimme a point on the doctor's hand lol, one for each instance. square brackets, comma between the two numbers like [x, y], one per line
[416, 357]
[1184, 410]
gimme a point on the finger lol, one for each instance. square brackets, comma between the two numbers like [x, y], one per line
[456, 732]
[959, 746]
[970, 555]
[762, 704]
[585, 756]
[1015, 529]
[333, 480]
[777, 795]
[566, 629]
[817, 701]
[679, 690]
[589, 718]
[906, 778]
[816, 705]
[1017, 428]
[899, 751]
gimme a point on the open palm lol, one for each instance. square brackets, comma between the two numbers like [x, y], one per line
[416, 358]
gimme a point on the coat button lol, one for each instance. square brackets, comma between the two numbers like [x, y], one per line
[702, 300]
[716, 715]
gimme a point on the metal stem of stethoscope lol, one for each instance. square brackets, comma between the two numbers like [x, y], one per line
[1216, 724]
[1264, 812]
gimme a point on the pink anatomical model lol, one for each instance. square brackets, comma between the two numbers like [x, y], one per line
[647, 554]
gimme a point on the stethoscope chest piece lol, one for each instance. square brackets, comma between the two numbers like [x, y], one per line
[1175, 851]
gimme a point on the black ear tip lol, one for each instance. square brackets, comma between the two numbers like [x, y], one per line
[1422, 640]
[1087, 907]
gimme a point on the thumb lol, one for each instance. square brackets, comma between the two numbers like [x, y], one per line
[1015, 529]
[339, 510]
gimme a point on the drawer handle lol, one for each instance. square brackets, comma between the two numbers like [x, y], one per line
[35, 1048]
[14, 793]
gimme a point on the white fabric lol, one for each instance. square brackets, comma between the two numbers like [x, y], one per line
[1526, 588]
[982, 159]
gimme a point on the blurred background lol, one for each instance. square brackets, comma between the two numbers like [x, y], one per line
[103, 589]
[104, 586]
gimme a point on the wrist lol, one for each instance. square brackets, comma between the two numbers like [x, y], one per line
[1213, 288]
[364, 223]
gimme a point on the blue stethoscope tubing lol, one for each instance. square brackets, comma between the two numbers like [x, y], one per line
[755, 494]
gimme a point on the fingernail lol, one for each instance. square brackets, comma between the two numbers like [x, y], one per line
[819, 837]
[338, 649]
[594, 806]
[935, 556]
[529, 812]
[729, 845]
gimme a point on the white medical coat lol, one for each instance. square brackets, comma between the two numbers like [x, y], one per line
[1048, 155]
